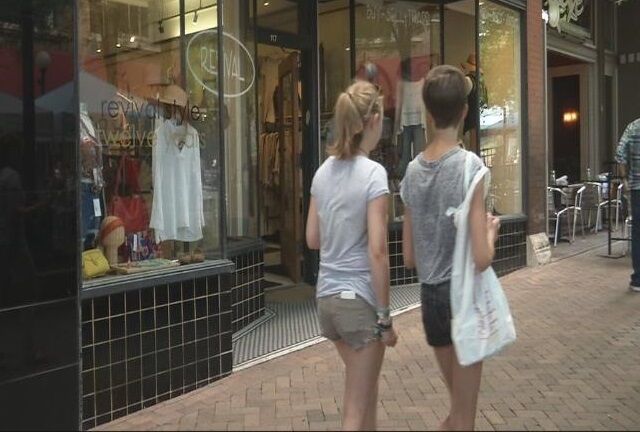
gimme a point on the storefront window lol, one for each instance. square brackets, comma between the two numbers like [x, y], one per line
[149, 133]
[37, 179]
[397, 43]
[501, 116]
[240, 135]
[335, 62]
[460, 51]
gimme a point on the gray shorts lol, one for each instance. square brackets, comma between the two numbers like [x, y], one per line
[352, 320]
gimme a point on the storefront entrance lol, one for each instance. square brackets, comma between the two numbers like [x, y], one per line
[284, 137]
[279, 152]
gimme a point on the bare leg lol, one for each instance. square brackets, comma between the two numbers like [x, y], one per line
[372, 411]
[446, 358]
[464, 397]
[362, 373]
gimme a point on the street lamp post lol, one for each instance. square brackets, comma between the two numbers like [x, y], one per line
[43, 60]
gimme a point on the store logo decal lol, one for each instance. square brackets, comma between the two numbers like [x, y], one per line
[239, 69]
[564, 11]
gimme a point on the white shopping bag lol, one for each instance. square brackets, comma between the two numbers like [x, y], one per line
[482, 324]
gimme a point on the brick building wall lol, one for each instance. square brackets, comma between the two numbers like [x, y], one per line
[536, 152]
[628, 73]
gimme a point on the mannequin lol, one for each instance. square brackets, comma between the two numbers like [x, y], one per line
[477, 97]
[411, 117]
[112, 237]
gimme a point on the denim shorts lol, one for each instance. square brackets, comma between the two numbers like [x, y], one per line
[436, 313]
[350, 320]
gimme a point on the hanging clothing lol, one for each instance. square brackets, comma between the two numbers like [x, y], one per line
[90, 152]
[177, 210]
[413, 111]
[269, 82]
[270, 159]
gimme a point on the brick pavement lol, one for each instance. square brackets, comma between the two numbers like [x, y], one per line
[575, 366]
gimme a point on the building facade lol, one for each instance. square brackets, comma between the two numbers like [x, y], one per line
[585, 109]
[173, 143]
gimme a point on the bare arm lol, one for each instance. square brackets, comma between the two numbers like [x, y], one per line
[407, 240]
[484, 231]
[313, 226]
[377, 218]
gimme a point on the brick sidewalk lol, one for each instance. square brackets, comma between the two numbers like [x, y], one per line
[575, 366]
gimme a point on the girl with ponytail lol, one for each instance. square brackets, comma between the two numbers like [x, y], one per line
[347, 222]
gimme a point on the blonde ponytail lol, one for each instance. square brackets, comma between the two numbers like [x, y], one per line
[353, 110]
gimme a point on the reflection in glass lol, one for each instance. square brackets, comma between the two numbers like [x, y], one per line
[460, 51]
[37, 162]
[397, 44]
[335, 63]
[500, 118]
[148, 133]
[240, 138]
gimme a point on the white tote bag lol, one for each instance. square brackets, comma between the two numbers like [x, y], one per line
[482, 324]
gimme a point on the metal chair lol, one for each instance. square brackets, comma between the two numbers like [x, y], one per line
[617, 202]
[591, 200]
[554, 213]
[577, 208]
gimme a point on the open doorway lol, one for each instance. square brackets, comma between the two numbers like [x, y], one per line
[568, 99]
[280, 146]
[566, 126]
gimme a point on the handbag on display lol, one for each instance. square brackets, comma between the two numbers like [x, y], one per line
[131, 209]
[94, 264]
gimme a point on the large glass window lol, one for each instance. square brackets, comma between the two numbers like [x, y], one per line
[37, 179]
[397, 43]
[240, 109]
[460, 51]
[334, 53]
[149, 134]
[501, 115]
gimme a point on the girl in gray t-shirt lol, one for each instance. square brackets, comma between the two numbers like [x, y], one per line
[433, 184]
[347, 222]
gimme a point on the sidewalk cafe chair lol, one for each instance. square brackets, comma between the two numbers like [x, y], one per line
[616, 202]
[555, 214]
[577, 208]
[591, 201]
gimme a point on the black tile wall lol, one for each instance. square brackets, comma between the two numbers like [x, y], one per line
[247, 295]
[511, 249]
[146, 346]
[400, 275]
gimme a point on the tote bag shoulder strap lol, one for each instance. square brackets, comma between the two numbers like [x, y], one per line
[468, 167]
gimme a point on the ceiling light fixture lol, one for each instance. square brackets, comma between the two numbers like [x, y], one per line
[118, 45]
[132, 39]
[266, 3]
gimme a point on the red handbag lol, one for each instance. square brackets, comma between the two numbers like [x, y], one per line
[131, 209]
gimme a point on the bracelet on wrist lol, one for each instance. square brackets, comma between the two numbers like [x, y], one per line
[383, 312]
[384, 324]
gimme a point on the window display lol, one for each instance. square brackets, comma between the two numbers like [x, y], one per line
[149, 140]
[500, 109]
[397, 43]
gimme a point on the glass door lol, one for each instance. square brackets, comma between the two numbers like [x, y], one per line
[290, 171]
